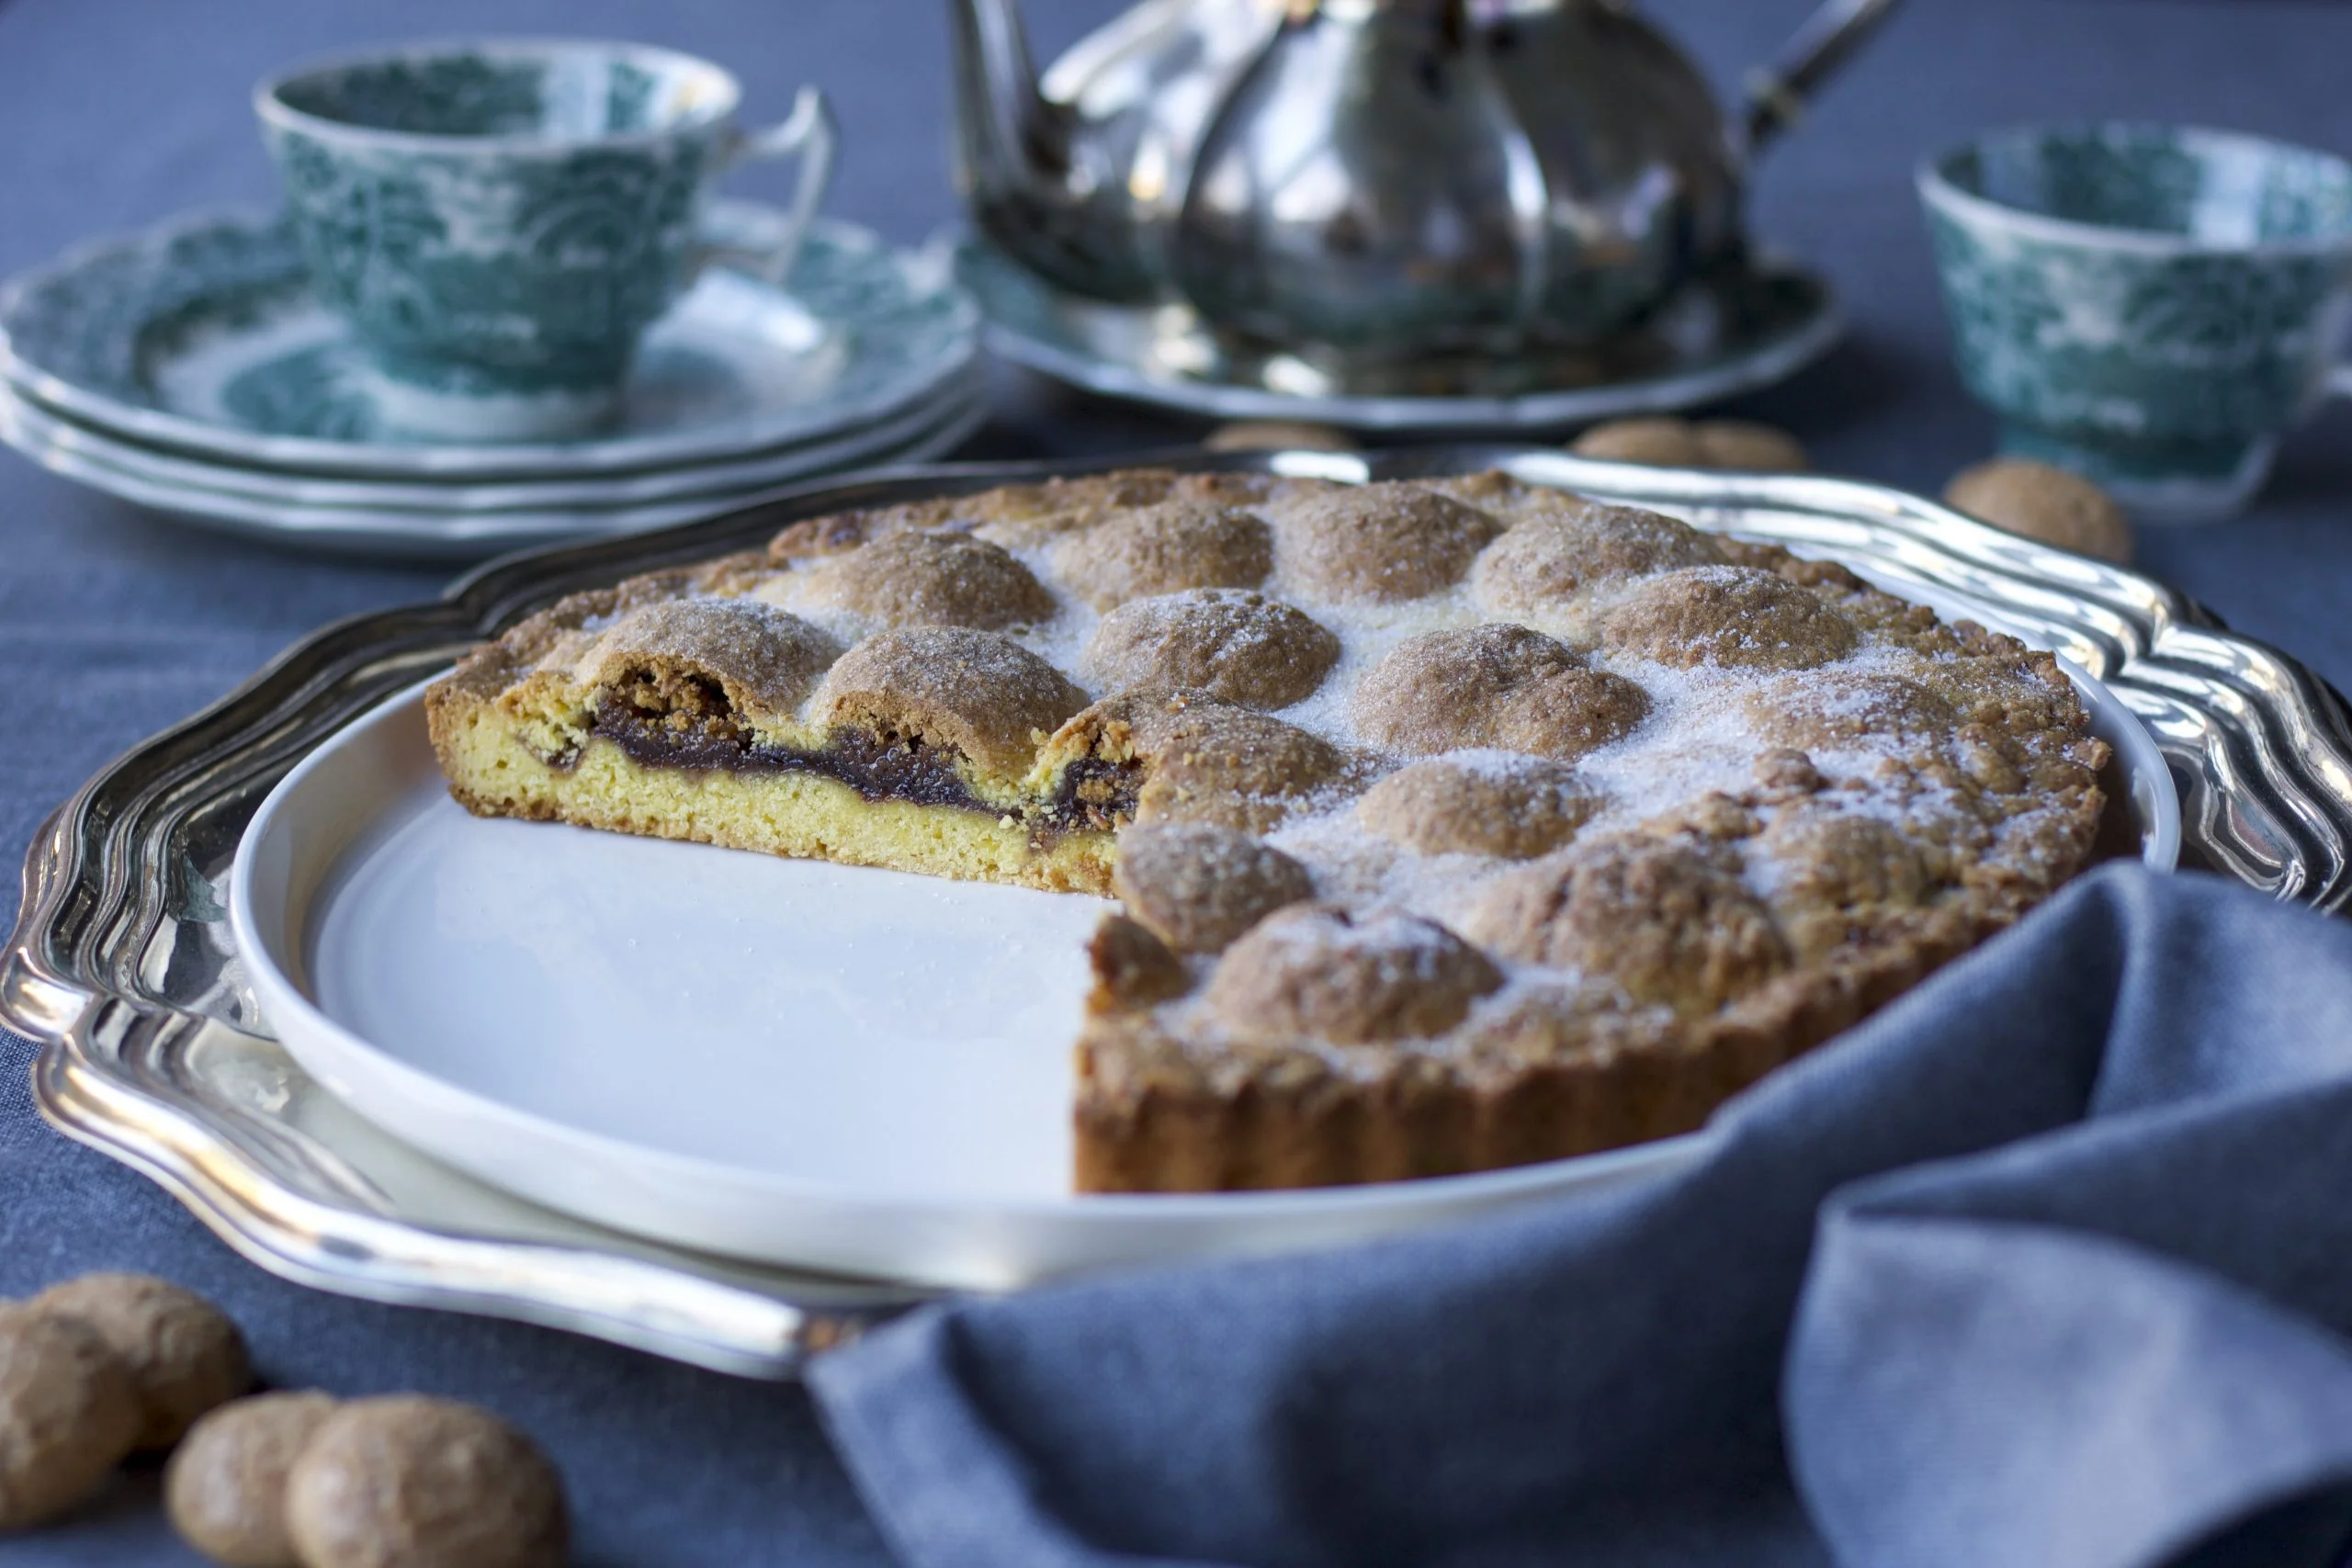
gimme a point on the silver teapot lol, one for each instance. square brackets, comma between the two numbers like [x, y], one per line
[1373, 181]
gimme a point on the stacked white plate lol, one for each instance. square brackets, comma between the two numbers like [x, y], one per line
[190, 369]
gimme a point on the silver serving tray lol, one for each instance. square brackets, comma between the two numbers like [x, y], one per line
[151, 1050]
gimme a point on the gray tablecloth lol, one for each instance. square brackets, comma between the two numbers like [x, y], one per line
[114, 113]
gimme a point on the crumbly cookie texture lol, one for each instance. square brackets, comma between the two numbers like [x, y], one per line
[916, 580]
[1481, 803]
[1458, 823]
[1185, 757]
[1164, 549]
[1544, 563]
[1494, 685]
[1198, 886]
[1319, 972]
[1232, 644]
[1727, 615]
[1378, 544]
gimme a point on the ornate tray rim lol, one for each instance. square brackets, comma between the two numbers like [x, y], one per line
[117, 966]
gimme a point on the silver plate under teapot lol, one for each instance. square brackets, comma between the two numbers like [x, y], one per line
[1714, 341]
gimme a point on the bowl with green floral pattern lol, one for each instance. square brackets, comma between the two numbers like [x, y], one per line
[2150, 306]
[499, 220]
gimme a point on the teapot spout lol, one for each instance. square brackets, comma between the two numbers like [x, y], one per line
[1007, 135]
[1022, 175]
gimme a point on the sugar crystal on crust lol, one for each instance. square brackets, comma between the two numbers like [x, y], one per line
[1829, 709]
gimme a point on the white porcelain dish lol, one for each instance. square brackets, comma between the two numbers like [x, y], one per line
[781, 1061]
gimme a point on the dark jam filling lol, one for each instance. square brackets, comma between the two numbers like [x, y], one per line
[1091, 796]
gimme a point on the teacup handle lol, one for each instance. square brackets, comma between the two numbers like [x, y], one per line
[809, 133]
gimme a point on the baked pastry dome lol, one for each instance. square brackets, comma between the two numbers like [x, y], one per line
[1197, 887]
[1553, 556]
[1727, 615]
[1494, 685]
[1317, 972]
[1234, 645]
[1501, 804]
[1456, 823]
[1379, 543]
[1164, 549]
[948, 579]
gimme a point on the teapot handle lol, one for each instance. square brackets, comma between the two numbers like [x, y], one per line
[1778, 93]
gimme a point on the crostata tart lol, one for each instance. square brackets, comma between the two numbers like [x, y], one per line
[1456, 824]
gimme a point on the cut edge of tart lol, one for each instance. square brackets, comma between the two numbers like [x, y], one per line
[1458, 824]
[604, 717]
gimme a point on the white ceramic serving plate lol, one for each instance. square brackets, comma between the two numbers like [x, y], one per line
[783, 1061]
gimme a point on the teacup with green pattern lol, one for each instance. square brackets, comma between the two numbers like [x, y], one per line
[2150, 306]
[499, 222]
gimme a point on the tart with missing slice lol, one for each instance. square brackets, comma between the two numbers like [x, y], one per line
[1456, 824]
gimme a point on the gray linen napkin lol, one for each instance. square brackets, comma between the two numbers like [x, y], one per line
[2049, 1264]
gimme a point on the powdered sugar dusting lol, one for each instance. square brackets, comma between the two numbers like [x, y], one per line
[1352, 866]
[1698, 738]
